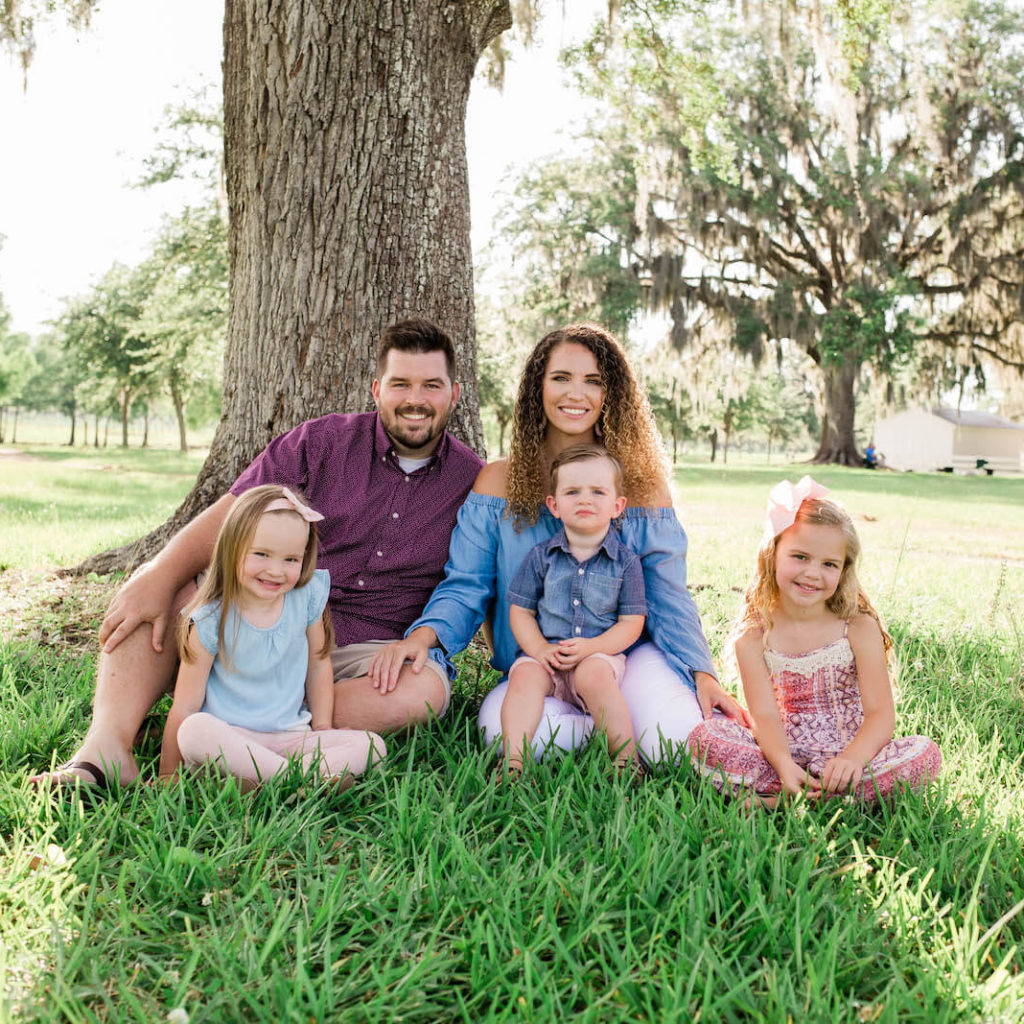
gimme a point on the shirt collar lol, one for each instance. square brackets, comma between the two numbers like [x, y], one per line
[385, 449]
[610, 545]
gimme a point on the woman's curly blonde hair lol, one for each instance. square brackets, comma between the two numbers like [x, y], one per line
[625, 426]
[762, 595]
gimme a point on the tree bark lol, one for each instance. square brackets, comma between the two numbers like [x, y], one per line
[178, 401]
[348, 195]
[125, 402]
[837, 442]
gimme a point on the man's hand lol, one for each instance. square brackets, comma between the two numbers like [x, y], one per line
[710, 695]
[147, 596]
[387, 663]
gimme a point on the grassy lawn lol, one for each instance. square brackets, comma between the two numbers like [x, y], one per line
[427, 894]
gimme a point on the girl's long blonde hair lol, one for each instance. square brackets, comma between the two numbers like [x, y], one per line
[625, 426]
[221, 582]
[762, 595]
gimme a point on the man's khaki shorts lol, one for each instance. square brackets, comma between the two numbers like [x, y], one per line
[353, 661]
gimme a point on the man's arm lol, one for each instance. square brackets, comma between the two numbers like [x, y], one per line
[147, 596]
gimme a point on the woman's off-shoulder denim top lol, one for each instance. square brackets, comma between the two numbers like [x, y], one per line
[486, 551]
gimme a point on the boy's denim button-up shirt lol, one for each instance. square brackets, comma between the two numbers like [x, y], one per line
[487, 550]
[579, 599]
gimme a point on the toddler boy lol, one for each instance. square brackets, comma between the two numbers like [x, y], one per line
[576, 604]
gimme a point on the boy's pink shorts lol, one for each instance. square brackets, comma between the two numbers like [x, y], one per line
[563, 682]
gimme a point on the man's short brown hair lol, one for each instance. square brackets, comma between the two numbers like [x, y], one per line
[415, 335]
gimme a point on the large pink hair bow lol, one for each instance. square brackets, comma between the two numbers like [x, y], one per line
[784, 501]
[288, 502]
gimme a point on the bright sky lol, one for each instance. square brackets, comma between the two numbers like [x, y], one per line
[76, 138]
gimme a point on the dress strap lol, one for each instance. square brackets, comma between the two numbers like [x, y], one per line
[846, 626]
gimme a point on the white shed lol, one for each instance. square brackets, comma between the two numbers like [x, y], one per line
[946, 440]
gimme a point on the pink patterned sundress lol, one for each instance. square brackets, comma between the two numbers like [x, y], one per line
[819, 702]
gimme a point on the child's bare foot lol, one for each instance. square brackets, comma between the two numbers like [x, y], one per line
[631, 769]
[339, 783]
[760, 800]
[508, 772]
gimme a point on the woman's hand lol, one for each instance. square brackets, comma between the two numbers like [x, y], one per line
[710, 695]
[387, 664]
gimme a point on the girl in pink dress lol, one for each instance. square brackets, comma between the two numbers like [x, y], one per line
[812, 656]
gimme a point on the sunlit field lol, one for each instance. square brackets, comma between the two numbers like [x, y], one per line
[426, 893]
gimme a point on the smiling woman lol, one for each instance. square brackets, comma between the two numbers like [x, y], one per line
[577, 387]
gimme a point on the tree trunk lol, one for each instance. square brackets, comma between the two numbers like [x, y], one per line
[14, 428]
[145, 429]
[503, 422]
[713, 437]
[125, 404]
[345, 153]
[74, 424]
[837, 442]
[179, 415]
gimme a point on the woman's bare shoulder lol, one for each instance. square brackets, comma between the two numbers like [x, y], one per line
[493, 479]
[660, 497]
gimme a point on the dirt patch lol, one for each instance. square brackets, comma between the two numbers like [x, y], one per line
[61, 612]
[13, 455]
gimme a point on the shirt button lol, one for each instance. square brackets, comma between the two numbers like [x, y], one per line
[406, 479]
[575, 600]
[380, 554]
[394, 515]
[361, 583]
[577, 630]
[581, 572]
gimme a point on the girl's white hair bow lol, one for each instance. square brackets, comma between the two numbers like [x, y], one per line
[784, 501]
[288, 502]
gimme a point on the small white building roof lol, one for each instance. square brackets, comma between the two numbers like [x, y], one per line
[974, 418]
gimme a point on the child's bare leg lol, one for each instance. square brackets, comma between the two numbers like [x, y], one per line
[528, 684]
[595, 682]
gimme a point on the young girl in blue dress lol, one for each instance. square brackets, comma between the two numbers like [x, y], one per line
[255, 686]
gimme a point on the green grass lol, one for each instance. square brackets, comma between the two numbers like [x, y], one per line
[58, 505]
[428, 894]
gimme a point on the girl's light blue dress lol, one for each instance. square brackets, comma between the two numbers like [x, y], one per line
[264, 686]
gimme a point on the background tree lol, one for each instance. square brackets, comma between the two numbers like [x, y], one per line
[184, 315]
[54, 382]
[857, 193]
[782, 407]
[16, 368]
[348, 197]
[103, 331]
